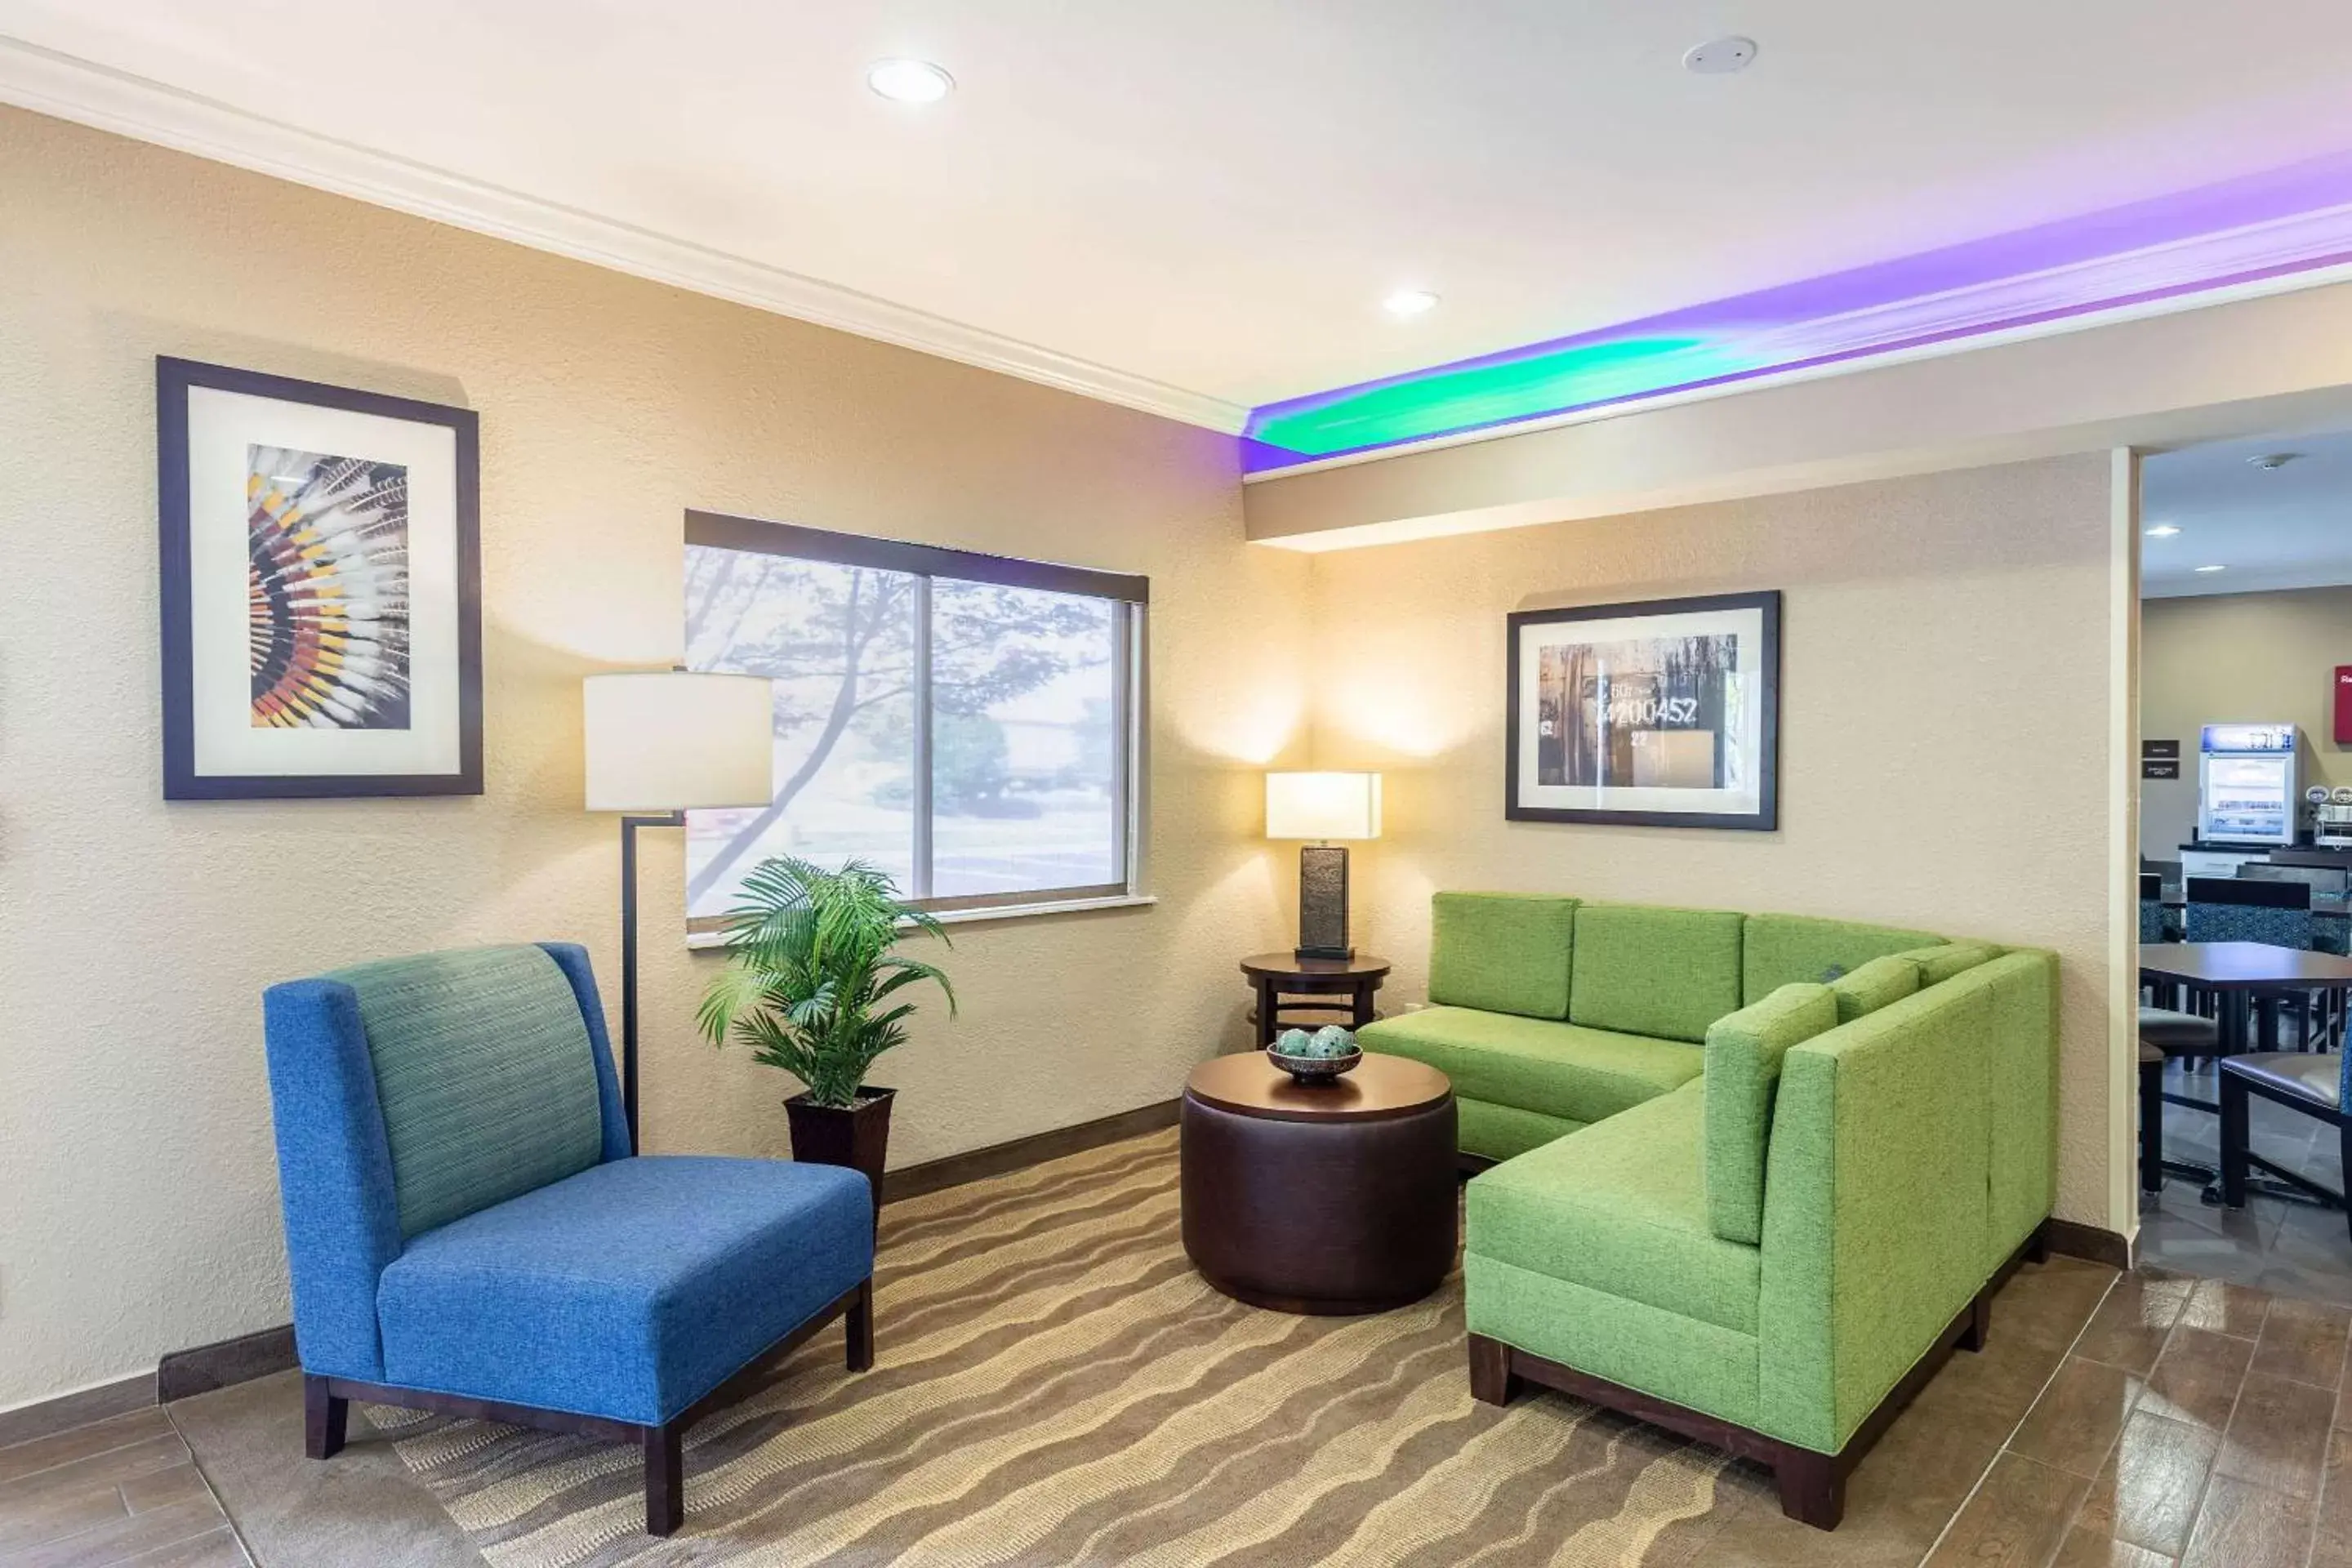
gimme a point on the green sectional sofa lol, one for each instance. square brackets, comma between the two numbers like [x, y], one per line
[1752, 1176]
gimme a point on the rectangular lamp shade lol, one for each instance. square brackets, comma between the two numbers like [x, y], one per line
[1322, 805]
[664, 740]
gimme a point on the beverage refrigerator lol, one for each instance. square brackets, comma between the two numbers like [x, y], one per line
[2246, 783]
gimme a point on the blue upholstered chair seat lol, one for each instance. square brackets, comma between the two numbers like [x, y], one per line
[627, 1291]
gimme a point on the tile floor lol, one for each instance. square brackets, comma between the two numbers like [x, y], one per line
[2195, 1422]
[120, 1492]
[2292, 1249]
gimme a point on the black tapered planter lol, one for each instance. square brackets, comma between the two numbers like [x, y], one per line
[857, 1136]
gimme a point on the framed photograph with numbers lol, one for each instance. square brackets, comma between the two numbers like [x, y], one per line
[321, 589]
[1663, 714]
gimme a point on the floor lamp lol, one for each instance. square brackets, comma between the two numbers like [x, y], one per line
[659, 743]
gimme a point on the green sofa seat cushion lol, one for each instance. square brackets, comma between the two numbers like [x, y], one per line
[1505, 952]
[1743, 1065]
[1533, 1064]
[1937, 965]
[1621, 1208]
[1499, 1132]
[1872, 986]
[484, 1076]
[1775, 950]
[1646, 970]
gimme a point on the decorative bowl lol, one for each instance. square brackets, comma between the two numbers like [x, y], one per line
[1316, 1069]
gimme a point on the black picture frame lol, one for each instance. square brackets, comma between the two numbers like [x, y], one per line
[1766, 818]
[175, 379]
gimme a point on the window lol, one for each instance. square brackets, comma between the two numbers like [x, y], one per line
[966, 723]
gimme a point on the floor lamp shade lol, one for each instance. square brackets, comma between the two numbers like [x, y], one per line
[1323, 806]
[668, 740]
[659, 743]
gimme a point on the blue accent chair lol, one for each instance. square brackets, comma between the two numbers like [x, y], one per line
[468, 1233]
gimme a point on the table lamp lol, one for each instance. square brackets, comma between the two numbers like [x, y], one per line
[659, 742]
[1321, 806]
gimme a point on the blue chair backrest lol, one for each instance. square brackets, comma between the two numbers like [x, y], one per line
[2151, 907]
[413, 1091]
[2234, 908]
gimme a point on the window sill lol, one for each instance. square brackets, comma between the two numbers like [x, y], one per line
[704, 940]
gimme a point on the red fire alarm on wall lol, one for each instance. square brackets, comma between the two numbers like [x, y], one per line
[2343, 704]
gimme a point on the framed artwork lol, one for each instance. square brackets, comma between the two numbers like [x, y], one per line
[321, 592]
[1664, 714]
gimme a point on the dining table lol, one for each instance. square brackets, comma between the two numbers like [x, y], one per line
[2247, 980]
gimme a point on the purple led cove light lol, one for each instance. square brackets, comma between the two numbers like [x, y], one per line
[2269, 224]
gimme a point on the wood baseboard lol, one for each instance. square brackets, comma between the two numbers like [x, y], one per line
[997, 1159]
[47, 1418]
[226, 1363]
[2078, 1240]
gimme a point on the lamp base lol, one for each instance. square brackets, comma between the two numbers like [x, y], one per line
[1323, 902]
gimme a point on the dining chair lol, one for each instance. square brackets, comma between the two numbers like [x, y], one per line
[2151, 907]
[2317, 1085]
[2249, 909]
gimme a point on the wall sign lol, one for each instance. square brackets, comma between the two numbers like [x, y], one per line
[2343, 704]
[2159, 767]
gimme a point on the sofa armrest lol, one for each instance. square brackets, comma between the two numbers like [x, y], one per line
[1876, 1208]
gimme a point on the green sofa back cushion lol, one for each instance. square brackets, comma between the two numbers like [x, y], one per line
[1743, 1065]
[484, 1075]
[1937, 965]
[1640, 969]
[1872, 986]
[1501, 952]
[1777, 948]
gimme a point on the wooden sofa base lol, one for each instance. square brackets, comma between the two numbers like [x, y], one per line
[327, 1403]
[1812, 1485]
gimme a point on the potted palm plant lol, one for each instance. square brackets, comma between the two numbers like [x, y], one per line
[809, 972]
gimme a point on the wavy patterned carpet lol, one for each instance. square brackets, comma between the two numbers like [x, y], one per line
[1054, 1385]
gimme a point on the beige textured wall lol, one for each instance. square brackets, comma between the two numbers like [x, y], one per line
[1944, 749]
[138, 1201]
[2245, 658]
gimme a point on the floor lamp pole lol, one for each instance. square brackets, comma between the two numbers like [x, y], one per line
[629, 826]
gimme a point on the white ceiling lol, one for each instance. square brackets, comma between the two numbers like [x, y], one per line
[1212, 195]
[2289, 527]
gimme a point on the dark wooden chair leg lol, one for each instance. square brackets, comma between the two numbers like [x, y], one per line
[664, 1449]
[1812, 1488]
[2236, 1137]
[1492, 1381]
[2151, 1126]
[2037, 1246]
[325, 1419]
[859, 1321]
[1980, 1324]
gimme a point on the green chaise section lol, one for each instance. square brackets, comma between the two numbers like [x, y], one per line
[1782, 1229]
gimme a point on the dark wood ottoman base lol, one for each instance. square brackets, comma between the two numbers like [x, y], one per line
[1331, 1201]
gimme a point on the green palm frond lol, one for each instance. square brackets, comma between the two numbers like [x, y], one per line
[809, 961]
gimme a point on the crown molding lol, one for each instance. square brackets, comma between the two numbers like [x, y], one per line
[70, 88]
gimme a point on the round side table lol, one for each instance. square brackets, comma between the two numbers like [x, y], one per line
[1275, 975]
[1331, 1198]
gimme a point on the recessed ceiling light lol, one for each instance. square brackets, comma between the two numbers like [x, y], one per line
[2203, 568]
[2270, 461]
[1410, 303]
[1720, 56]
[2162, 531]
[910, 81]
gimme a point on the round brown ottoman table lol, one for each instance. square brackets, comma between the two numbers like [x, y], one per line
[1326, 1198]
